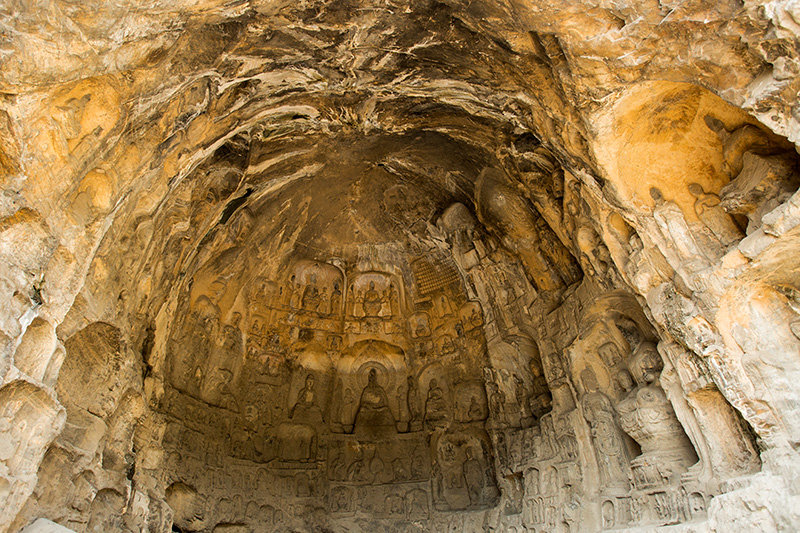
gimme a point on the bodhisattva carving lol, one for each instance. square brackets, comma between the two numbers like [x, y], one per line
[540, 400]
[708, 209]
[680, 245]
[413, 404]
[610, 449]
[462, 472]
[298, 438]
[372, 301]
[497, 404]
[648, 417]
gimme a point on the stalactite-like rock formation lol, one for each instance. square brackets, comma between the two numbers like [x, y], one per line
[387, 266]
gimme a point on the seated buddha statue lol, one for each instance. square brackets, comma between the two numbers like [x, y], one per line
[305, 409]
[373, 415]
[373, 301]
[436, 411]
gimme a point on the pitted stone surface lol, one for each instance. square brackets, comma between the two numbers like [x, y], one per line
[371, 265]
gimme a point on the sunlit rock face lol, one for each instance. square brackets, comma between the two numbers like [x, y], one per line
[385, 266]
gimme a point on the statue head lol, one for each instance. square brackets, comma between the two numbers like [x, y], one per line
[656, 194]
[310, 381]
[589, 380]
[372, 378]
[624, 380]
[609, 353]
[646, 364]
[696, 189]
[535, 367]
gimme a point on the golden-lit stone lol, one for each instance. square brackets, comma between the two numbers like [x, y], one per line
[373, 265]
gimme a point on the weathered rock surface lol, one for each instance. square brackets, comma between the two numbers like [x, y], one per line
[374, 265]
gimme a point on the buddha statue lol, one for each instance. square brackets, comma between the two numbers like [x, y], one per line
[297, 438]
[373, 415]
[373, 301]
[305, 409]
[436, 412]
[648, 417]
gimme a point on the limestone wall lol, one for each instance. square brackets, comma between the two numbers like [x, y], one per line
[521, 265]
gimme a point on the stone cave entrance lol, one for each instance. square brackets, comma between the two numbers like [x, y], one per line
[303, 282]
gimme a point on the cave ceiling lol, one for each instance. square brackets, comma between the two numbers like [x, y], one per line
[318, 130]
[361, 265]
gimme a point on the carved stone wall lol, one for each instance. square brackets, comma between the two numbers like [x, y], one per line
[380, 266]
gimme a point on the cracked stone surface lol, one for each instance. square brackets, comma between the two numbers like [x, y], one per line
[369, 265]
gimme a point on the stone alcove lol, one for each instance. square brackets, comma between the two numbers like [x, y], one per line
[368, 266]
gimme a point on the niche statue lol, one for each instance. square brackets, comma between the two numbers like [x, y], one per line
[305, 410]
[412, 402]
[646, 415]
[473, 474]
[297, 439]
[373, 415]
[609, 444]
[436, 412]
[372, 301]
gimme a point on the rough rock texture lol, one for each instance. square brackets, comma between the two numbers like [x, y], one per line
[367, 265]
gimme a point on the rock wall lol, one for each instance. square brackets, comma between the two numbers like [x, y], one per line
[514, 266]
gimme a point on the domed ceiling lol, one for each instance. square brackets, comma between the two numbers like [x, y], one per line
[386, 266]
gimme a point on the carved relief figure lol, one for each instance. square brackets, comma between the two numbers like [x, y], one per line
[373, 413]
[623, 382]
[419, 325]
[473, 474]
[475, 412]
[463, 476]
[417, 503]
[442, 305]
[305, 409]
[497, 403]
[610, 355]
[673, 225]
[471, 315]
[372, 301]
[394, 299]
[611, 451]
[296, 292]
[520, 396]
[412, 401]
[353, 303]
[647, 415]
[541, 399]
[311, 296]
[445, 345]
[710, 212]
[297, 442]
[324, 306]
[347, 406]
[435, 405]
[336, 300]
[607, 511]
